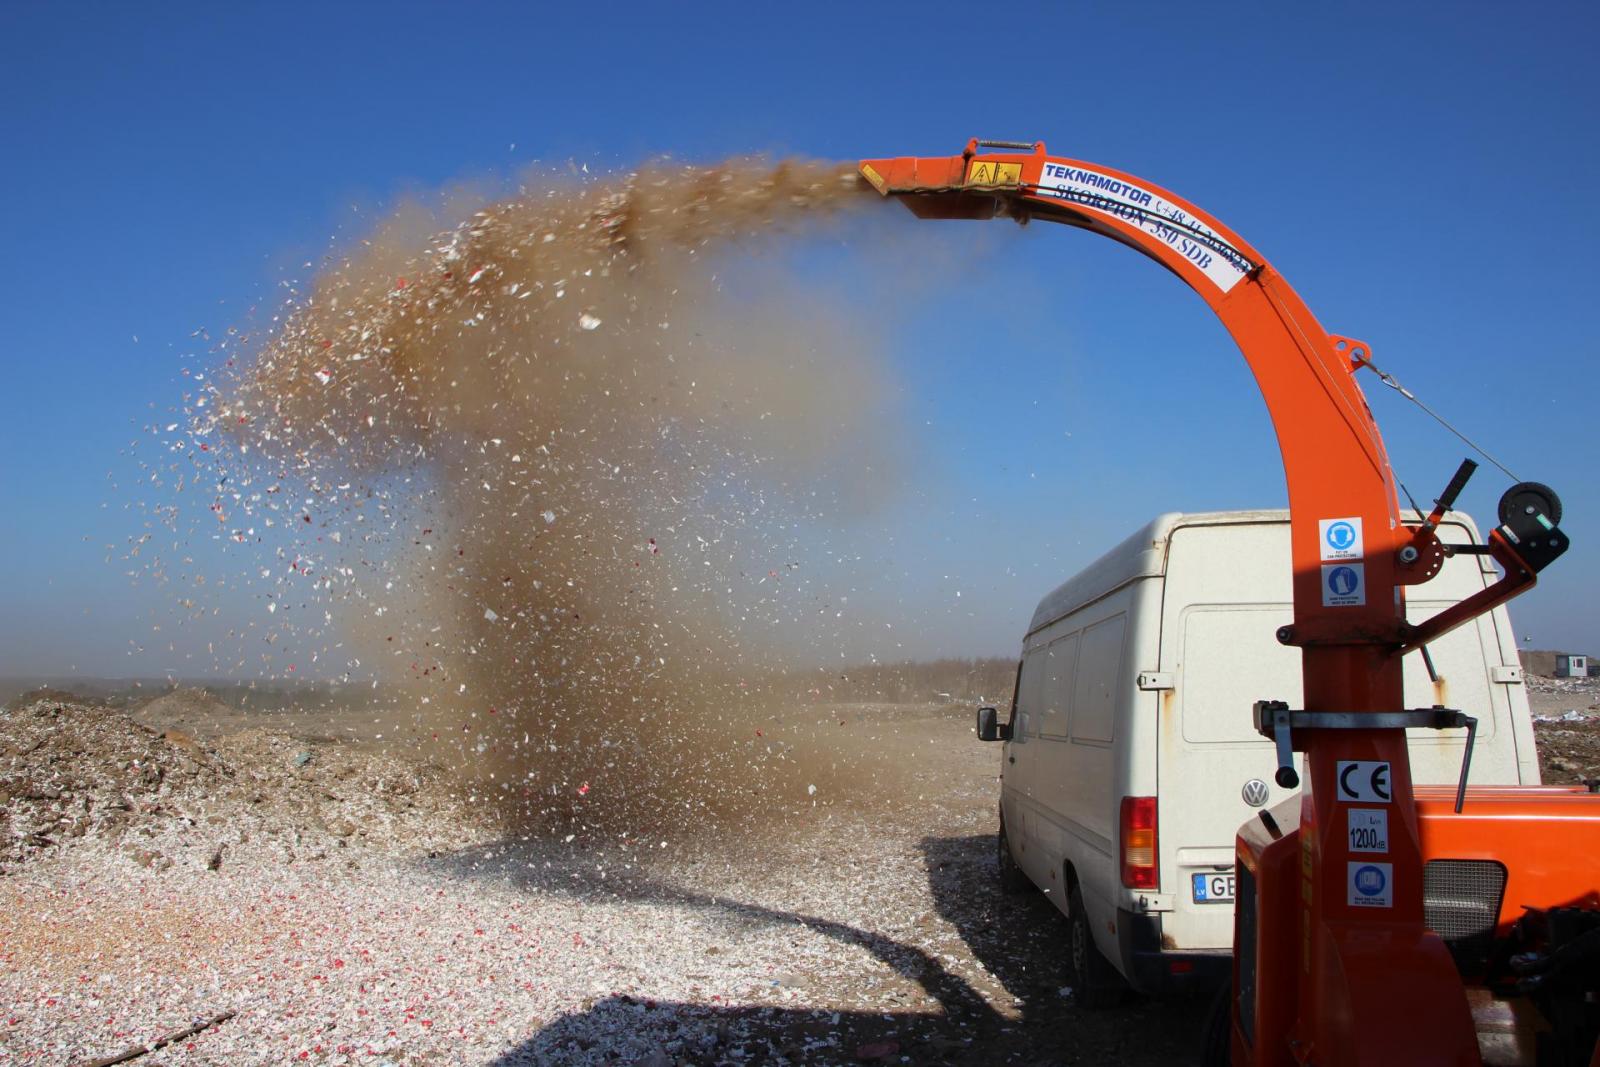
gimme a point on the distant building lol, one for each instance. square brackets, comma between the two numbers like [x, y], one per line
[1539, 661]
[1559, 664]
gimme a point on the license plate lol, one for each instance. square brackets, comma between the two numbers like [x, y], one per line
[1213, 888]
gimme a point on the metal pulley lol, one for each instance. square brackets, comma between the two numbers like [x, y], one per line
[1526, 499]
[1529, 513]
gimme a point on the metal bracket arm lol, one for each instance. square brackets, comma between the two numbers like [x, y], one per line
[1520, 575]
[1527, 541]
[1276, 722]
[1271, 715]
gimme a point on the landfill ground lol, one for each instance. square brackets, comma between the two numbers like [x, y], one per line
[1566, 721]
[349, 905]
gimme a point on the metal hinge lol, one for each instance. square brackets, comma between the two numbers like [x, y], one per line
[1155, 680]
[1148, 902]
[1506, 675]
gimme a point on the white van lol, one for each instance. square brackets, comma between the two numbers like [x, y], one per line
[1130, 759]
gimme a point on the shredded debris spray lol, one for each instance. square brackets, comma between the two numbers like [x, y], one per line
[540, 469]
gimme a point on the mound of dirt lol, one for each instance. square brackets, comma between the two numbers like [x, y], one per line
[43, 692]
[185, 703]
[73, 773]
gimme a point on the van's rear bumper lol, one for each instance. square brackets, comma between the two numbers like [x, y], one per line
[1155, 971]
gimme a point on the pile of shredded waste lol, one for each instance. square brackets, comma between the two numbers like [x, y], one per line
[72, 773]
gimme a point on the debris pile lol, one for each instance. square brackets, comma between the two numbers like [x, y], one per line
[1564, 699]
[1539, 683]
[73, 772]
[874, 938]
[1566, 725]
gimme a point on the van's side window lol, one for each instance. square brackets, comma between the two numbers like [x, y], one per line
[1016, 695]
[1060, 660]
[1100, 671]
[1028, 693]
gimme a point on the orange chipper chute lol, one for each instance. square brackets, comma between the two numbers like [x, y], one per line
[1322, 979]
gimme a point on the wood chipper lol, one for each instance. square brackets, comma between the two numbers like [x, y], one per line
[1376, 922]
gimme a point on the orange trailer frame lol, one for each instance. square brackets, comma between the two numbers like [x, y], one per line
[1366, 984]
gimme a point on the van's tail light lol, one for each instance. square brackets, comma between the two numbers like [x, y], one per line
[1139, 866]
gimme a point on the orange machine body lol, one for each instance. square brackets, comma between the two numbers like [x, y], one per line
[1546, 837]
[1338, 981]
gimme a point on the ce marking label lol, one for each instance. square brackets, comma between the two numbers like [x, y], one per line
[1366, 781]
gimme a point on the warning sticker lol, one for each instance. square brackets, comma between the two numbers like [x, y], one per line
[1364, 781]
[993, 172]
[1340, 538]
[1371, 885]
[1344, 585]
[1369, 829]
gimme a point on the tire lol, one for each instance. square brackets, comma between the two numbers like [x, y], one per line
[1013, 882]
[1095, 983]
[1216, 1046]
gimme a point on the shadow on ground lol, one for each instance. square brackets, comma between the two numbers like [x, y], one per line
[1019, 1011]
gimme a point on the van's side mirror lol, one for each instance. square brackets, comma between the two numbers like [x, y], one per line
[989, 728]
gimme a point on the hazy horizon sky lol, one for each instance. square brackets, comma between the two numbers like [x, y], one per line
[1421, 175]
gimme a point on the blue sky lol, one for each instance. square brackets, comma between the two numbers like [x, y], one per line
[1421, 174]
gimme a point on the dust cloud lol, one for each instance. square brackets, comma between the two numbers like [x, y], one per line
[544, 469]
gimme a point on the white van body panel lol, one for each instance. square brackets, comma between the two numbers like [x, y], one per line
[1195, 601]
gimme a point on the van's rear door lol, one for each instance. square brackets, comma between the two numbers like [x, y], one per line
[1225, 597]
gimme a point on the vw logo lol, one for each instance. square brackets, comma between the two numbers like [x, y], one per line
[1254, 792]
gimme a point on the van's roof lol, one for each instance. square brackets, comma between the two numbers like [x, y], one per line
[1144, 555]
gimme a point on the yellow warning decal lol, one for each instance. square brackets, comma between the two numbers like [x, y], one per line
[875, 178]
[993, 172]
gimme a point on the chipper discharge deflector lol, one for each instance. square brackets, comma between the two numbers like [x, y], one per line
[1340, 956]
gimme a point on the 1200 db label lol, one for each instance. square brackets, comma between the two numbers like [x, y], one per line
[1369, 830]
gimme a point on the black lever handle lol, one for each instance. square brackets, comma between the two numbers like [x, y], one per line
[1272, 719]
[1287, 776]
[1447, 499]
[1466, 760]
